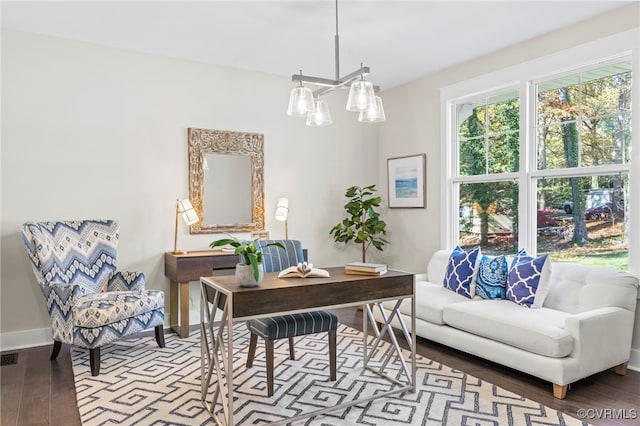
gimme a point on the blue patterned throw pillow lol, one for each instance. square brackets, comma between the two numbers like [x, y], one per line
[528, 280]
[460, 271]
[491, 280]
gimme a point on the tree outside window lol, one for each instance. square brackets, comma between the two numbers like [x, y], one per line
[581, 138]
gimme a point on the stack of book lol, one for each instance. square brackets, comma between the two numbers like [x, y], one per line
[364, 268]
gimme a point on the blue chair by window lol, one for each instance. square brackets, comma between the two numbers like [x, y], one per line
[288, 326]
[90, 304]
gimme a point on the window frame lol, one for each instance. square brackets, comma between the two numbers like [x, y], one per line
[525, 76]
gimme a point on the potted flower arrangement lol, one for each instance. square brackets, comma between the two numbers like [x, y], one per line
[249, 272]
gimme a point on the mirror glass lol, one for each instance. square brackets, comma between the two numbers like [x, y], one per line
[227, 177]
[226, 180]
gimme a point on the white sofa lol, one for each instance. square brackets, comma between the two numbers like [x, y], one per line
[584, 326]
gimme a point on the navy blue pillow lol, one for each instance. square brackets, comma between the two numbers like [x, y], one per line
[491, 280]
[460, 271]
[528, 280]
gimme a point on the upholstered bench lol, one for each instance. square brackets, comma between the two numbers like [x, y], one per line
[275, 328]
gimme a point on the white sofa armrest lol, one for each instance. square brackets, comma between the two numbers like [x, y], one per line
[602, 338]
[421, 277]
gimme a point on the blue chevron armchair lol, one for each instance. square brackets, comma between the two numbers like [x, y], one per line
[90, 304]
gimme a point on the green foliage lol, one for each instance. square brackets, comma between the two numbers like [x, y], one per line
[247, 250]
[362, 225]
[491, 145]
[580, 121]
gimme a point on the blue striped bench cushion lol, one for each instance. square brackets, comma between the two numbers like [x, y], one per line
[275, 328]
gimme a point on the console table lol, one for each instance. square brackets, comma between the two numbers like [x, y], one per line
[278, 296]
[186, 267]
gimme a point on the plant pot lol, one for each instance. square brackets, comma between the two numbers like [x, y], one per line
[244, 275]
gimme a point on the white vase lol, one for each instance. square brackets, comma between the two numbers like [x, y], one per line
[244, 275]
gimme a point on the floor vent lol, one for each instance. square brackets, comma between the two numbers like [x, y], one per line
[9, 359]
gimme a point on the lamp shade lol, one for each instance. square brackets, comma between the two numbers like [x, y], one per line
[374, 113]
[361, 96]
[300, 101]
[187, 212]
[320, 116]
[282, 209]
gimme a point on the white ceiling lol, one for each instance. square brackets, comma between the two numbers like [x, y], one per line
[399, 40]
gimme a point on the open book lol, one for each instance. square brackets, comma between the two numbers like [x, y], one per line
[303, 270]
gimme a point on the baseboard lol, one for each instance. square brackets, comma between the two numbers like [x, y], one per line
[42, 337]
[25, 339]
[32, 338]
[634, 360]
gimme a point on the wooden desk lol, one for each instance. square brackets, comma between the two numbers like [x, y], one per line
[184, 268]
[276, 296]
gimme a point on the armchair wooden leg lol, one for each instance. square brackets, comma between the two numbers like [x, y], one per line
[160, 335]
[56, 350]
[292, 350]
[253, 341]
[94, 361]
[269, 354]
[621, 369]
[332, 355]
[560, 391]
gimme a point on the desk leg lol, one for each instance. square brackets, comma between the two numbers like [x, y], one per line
[216, 356]
[386, 329]
[179, 308]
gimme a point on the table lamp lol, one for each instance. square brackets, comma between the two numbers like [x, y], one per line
[282, 212]
[189, 216]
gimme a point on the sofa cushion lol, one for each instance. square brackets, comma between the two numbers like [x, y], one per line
[430, 301]
[460, 274]
[528, 280]
[540, 331]
[491, 279]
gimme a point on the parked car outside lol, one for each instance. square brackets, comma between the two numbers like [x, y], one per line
[598, 212]
[546, 218]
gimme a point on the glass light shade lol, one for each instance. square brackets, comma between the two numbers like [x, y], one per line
[320, 116]
[187, 211]
[374, 113]
[300, 101]
[282, 209]
[361, 96]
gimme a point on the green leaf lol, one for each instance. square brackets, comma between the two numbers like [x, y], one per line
[253, 261]
[362, 224]
[225, 242]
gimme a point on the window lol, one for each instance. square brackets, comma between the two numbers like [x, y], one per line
[489, 143]
[583, 140]
[568, 167]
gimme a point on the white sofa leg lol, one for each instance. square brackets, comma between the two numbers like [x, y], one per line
[560, 391]
[621, 369]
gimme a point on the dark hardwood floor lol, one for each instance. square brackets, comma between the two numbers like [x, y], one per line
[36, 391]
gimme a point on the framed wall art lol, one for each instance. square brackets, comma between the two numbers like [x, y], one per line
[406, 177]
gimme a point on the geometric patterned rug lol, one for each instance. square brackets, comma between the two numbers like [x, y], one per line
[142, 384]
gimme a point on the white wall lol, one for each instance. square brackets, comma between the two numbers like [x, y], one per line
[96, 132]
[414, 125]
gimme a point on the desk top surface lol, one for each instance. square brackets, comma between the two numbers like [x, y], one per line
[278, 295]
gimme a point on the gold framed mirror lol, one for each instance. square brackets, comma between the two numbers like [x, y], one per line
[226, 180]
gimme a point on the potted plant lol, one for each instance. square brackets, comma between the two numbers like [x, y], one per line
[249, 272]
[363, 224]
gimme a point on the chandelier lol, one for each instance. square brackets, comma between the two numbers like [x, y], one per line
[362, 94]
